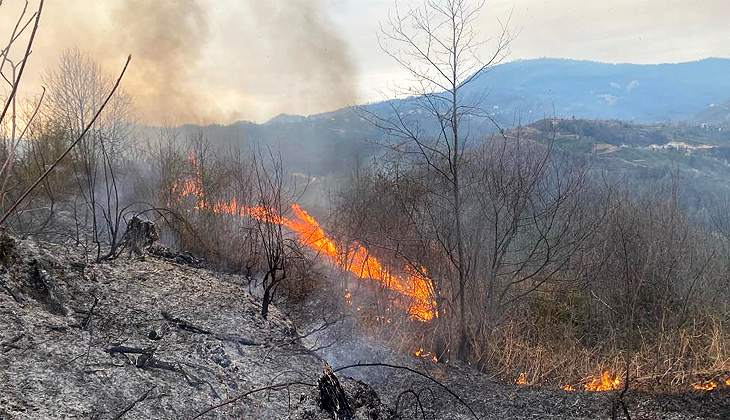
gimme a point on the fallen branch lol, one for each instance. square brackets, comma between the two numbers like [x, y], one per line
[147, 361]
[16, 297]
[187, 326]
[131, 406]
[69, 148]
[236, 339]
[129, 350]
[275, 387]
[453, 394]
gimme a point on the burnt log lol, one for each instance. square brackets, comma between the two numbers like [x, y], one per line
[140, 235]
[332, 398]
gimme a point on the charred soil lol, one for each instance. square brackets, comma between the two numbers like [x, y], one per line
[158, 337]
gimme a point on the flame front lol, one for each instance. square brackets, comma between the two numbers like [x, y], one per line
[604, 383]
[706, 386]
[356, 259]
[413, 284]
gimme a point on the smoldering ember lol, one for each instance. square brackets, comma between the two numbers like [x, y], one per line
[364, 209]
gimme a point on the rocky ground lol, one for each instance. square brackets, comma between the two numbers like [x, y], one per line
[160, 338]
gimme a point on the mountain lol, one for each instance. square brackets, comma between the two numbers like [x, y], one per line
[714, 115]
[521, 91]
[643, 93]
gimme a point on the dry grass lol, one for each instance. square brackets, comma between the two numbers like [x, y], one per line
[696, 353]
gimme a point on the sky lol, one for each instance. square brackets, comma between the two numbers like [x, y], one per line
[219, 61]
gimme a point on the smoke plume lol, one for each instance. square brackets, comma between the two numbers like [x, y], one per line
[313, 61]
[205, 61]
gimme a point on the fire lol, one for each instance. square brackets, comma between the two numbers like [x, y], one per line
[727, 382]
[426, 355]
[707, 386]
[413, 284]
[522, 379]
[604, 383]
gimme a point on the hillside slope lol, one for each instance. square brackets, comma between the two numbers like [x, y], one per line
[157, 338]
[143, 339]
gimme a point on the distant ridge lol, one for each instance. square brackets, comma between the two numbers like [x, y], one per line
[645, 93]
[522, 91]
[285, 119]
[586, 89]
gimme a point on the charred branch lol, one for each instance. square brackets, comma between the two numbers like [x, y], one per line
[133, 403]
[187, 326]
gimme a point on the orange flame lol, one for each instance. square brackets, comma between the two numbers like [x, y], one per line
[426, 355]
[604, 383]
[706, 386]
[522, 379]
[413, 284]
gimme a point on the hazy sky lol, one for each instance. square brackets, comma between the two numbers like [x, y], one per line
[224, 60]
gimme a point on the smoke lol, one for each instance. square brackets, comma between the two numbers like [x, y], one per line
[205, 61]
[314, 62]
[167, 38]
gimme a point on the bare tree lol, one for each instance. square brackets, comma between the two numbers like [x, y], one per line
[529, 219]
[439, 47]
[76, 90]
[279, 251]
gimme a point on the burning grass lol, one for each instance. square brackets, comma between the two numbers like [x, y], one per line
[688, 366]
[412, 285]
[562, 341]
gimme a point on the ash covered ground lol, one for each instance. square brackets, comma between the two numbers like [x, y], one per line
[160, 338]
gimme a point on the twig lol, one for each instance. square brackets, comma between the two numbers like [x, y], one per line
[70, 147]
[128, 350]
[131, 406]
[91, 313]
[418, 400]
[274, 387]
[16, 81]
[453, 394]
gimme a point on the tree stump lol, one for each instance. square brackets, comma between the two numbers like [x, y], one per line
[332, 398]
[140, 235]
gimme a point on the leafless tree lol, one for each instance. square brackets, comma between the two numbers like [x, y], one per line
[529, 219]
[439, 47]
[279, 250]
[76, 90]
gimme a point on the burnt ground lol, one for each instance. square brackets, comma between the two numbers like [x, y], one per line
[158, 338]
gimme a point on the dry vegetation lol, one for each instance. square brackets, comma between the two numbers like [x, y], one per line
[538, 266]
